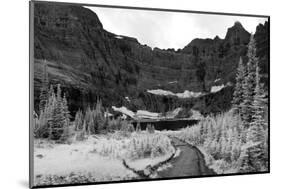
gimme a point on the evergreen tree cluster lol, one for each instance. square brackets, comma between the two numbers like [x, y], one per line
[96, 121]
[249, 102]
[248, 97]
[92, 121]
[54, 118]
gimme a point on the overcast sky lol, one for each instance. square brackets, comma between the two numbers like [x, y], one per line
[169, 29]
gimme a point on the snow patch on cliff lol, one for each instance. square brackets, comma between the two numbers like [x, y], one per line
[147, 114]
[217, 80]
[215, 89]
[124, 110]
[119, 37]
[185, 94]
[172, 82]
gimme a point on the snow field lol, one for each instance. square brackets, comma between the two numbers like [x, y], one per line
[98, 158]
[78, 158]
[185, 94]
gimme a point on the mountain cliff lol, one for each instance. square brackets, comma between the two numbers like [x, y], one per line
[92, 63]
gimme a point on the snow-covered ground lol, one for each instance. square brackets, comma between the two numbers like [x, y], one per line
[141, 164]
[161, 92]
[124, 110]
[147, 114]
[139, 114]
[173, 114]
[196, 114]
[185, 94]
[77, 158]
[215, 89]
[98, 158]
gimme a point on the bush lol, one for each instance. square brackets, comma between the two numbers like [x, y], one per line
[78, 122]
[41, 128]
[150, 128]
[136, 146]
[149, 145]
[81, 135]
[127, 128]
[114, 124]
[67, 135]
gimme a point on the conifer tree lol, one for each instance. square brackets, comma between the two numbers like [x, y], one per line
[59, 120]
[148, 128]
[88, 120]
[238, 92]
[249, 84]
[45, 118]
[44, 88]
[66, 127]
[138, 127]
[256, 133]
[258, 123]
[152, 129]
[91, 125]
[51, 91]
[49, 110]
[78, 122]
[99, 116]
[65, 110]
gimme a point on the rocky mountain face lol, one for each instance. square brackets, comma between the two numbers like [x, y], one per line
[90, 62]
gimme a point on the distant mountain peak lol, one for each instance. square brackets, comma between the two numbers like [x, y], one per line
[237, 31]
[217, 38]
[238, 24]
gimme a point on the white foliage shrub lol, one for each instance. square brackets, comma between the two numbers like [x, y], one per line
[149, 145]
[136, 146]
[222, 139]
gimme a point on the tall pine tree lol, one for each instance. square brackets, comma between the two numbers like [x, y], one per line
[249, 84]
[238, 92]
[258, 125]
[65, 110]
[66, 130]
[59, 119]
[258, 121]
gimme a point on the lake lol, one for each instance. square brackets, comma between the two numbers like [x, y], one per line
[167, 124]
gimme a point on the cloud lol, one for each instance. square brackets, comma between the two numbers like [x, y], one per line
[169, 29]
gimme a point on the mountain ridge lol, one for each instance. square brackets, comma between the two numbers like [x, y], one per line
[92, 63]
